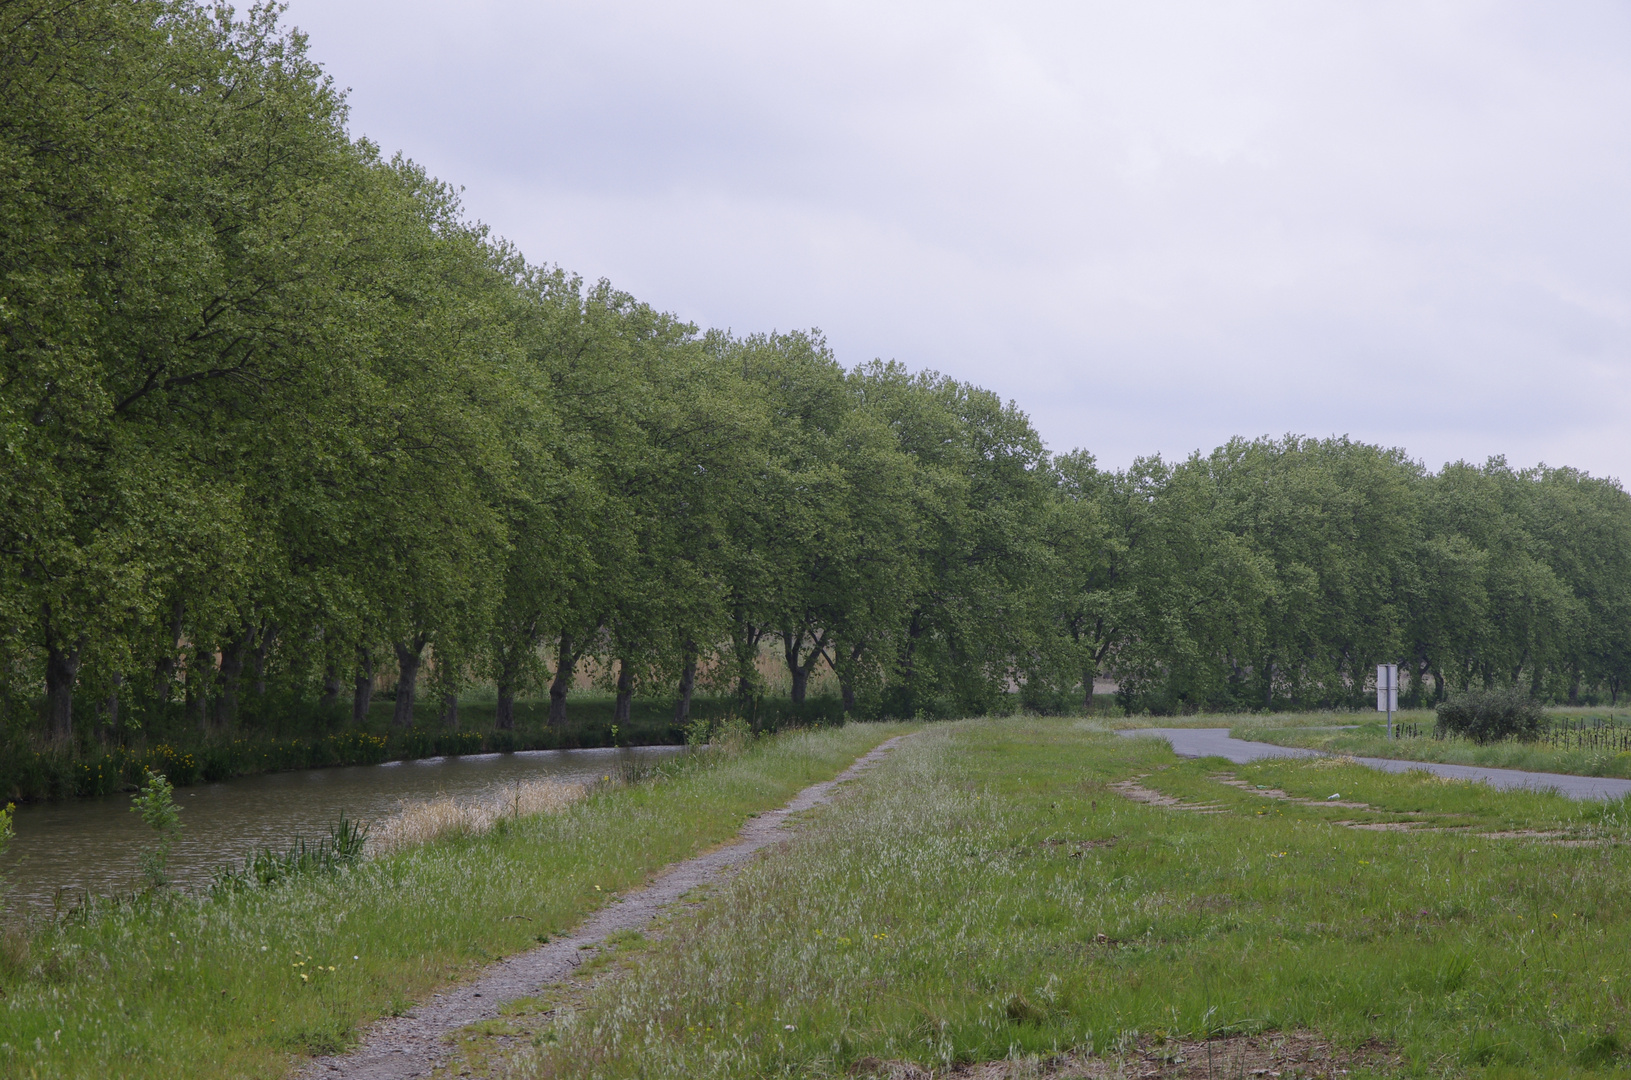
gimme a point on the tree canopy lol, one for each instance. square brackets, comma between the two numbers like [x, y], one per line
[274, 412]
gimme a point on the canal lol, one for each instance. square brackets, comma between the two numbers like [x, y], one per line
[65, 850]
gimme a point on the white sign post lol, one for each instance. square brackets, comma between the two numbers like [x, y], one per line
[1387, 692]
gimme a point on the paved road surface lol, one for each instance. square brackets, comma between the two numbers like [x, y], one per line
[1215, 742]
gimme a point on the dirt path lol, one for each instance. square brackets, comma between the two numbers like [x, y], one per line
[412, 1044]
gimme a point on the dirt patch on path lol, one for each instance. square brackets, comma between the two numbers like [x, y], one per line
[1139, 793]
[1276, 793]
[415, 1043]
[1299, 1054]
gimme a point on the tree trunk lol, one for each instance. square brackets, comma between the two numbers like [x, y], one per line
[504, 716]
[799, 665]
[1089, 673]
[565, 664]
[263, 646]
[165, 670]
[625, 692]
[914, 630]
[331, 687]
[111, 709]
[745, 639]
[61, 671]
[797, 672]
[450, 711]
[409, 655]
[362, 697]
[198, 689]
[688, 682]
[232, 669]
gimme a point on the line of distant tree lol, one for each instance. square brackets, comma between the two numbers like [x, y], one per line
[275, 417]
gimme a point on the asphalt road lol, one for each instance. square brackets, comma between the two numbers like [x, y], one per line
[1215, 742]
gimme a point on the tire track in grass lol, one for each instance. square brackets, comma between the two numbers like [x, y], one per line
[415, 1043]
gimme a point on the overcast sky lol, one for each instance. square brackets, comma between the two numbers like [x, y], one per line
[1152, 225]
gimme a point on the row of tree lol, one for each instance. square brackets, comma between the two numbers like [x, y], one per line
[274, 414]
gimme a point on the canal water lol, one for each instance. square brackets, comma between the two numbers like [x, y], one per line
[64, 850]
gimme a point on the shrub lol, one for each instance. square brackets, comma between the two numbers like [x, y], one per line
[1491, 715]
[159, 811]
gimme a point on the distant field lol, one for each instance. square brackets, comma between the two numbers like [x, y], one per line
[1011, 891]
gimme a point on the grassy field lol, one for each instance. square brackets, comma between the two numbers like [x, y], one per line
[1561, 752]
[244, 985]
[1007, 890]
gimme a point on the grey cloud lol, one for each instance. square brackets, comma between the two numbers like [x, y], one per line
[1153, 225]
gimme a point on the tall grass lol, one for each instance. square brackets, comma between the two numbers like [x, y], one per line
[988, 895]
[422, 821]
[235, 984]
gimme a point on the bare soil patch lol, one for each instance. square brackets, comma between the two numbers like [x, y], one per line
[1276, 793]
[1139, 793]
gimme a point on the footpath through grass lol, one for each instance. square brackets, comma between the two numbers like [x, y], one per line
[244, 985]
[994, 890]
[1562, 750]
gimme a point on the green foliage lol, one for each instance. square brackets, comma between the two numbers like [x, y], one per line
[280, 427]
[159, 812]
[342, 847]
[1486, 716]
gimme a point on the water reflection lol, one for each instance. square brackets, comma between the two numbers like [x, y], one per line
[93, 844]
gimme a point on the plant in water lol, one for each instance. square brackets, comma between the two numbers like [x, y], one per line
[155, 803]
[342, 847]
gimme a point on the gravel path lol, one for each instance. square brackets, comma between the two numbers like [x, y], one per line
[411, 1044]
[1216, 742]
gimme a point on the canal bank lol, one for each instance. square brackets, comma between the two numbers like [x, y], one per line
[66, 851]
[245, 983]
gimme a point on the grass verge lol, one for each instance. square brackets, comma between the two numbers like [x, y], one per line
[244, 984]
[990, 893]
[1369, 739]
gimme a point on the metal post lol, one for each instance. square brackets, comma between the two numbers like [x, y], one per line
[1387, 692]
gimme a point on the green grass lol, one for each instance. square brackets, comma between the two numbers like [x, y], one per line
[1370, 739]
[989, 893]
[213, 987]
